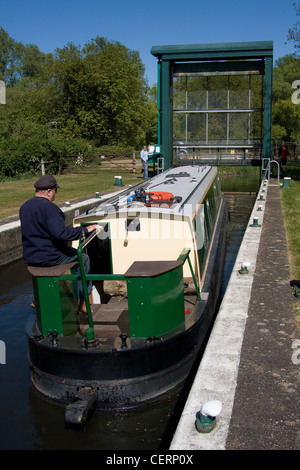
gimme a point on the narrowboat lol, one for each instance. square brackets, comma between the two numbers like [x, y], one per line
[156, 267]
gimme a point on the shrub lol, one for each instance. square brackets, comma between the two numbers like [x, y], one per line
[114, 152]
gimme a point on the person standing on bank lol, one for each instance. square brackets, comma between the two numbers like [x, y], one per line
[144, 158]
[45, 236]
[283, 154]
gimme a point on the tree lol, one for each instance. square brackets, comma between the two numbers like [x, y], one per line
[70, 101]
[285, 114]
[294, 33]
[103, 93]
[18, 61]
[7, 56]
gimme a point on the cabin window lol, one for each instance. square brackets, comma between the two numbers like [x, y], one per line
[201, 235]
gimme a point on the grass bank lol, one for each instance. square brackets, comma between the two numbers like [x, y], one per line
[290, 199]
[14, 192]
[72, 186]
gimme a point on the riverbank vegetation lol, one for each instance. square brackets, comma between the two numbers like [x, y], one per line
[290, 198]
[13, 192]
[76, 101]
[73, 186]
[93, 100]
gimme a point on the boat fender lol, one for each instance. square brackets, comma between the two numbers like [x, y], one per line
[152, 196]
[80, 410]
[159, 196]
[143, 197]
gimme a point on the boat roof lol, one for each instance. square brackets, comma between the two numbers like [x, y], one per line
[189, 184]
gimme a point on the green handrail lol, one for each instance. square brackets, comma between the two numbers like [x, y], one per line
[184, 255]
[89, 331]
[84, 277]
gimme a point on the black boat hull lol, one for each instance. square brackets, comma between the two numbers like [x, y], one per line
[123, 378]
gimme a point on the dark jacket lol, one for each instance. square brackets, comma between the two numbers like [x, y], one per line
[44, 233]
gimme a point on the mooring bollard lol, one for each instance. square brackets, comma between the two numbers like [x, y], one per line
[118, 181]
[255, 222]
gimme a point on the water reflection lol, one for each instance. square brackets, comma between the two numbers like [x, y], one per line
[241, 184]
[240, 207]
[140, 429]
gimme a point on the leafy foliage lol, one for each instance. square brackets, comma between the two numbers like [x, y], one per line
[294, 33]
[94, 99]
[70, 102]
[285, 113]
[103, 93]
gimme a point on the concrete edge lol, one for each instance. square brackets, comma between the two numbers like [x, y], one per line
[10, 230]
[216, 378]
[66, 209]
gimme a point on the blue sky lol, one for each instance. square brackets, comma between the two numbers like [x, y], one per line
[139, 25]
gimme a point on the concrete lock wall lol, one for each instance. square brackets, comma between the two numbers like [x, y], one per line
[10, 232]
[10, 244]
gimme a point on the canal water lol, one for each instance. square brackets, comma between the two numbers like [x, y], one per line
[30, 422]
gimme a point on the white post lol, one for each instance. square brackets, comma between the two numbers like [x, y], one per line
[2, 353]
[2, 92]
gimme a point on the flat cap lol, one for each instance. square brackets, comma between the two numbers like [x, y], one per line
[46, 182]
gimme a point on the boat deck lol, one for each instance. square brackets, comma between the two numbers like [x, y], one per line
[112, 319]
[181, 184]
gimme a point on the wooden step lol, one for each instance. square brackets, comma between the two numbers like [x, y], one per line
[107, 331]
[109, 313]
